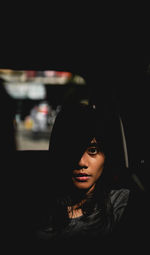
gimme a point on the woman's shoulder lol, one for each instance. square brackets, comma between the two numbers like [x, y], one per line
[130, 208]
[119, 198]
[122, 196]
[128, 202]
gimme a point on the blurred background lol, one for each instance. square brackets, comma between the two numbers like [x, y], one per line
[37, 98]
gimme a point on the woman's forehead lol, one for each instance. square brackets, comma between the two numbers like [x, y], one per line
[93, 140]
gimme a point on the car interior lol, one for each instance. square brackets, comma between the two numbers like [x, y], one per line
[34, 89]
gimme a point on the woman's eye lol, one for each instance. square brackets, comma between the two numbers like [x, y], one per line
[92, 150]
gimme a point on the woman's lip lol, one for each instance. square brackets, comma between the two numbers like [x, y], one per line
[80, 174]
[81, 177]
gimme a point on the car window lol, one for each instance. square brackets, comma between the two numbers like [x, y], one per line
[38, 97]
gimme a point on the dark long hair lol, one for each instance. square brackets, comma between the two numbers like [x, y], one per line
[74, 128]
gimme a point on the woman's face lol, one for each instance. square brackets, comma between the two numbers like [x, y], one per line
[90, 168]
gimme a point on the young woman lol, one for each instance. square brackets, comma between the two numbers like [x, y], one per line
[85, 207]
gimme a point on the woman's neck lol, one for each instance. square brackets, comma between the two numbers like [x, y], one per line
[75, 210]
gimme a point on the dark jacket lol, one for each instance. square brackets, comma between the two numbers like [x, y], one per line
[126, 230]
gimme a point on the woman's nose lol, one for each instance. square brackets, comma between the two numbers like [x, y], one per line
[83, 162]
